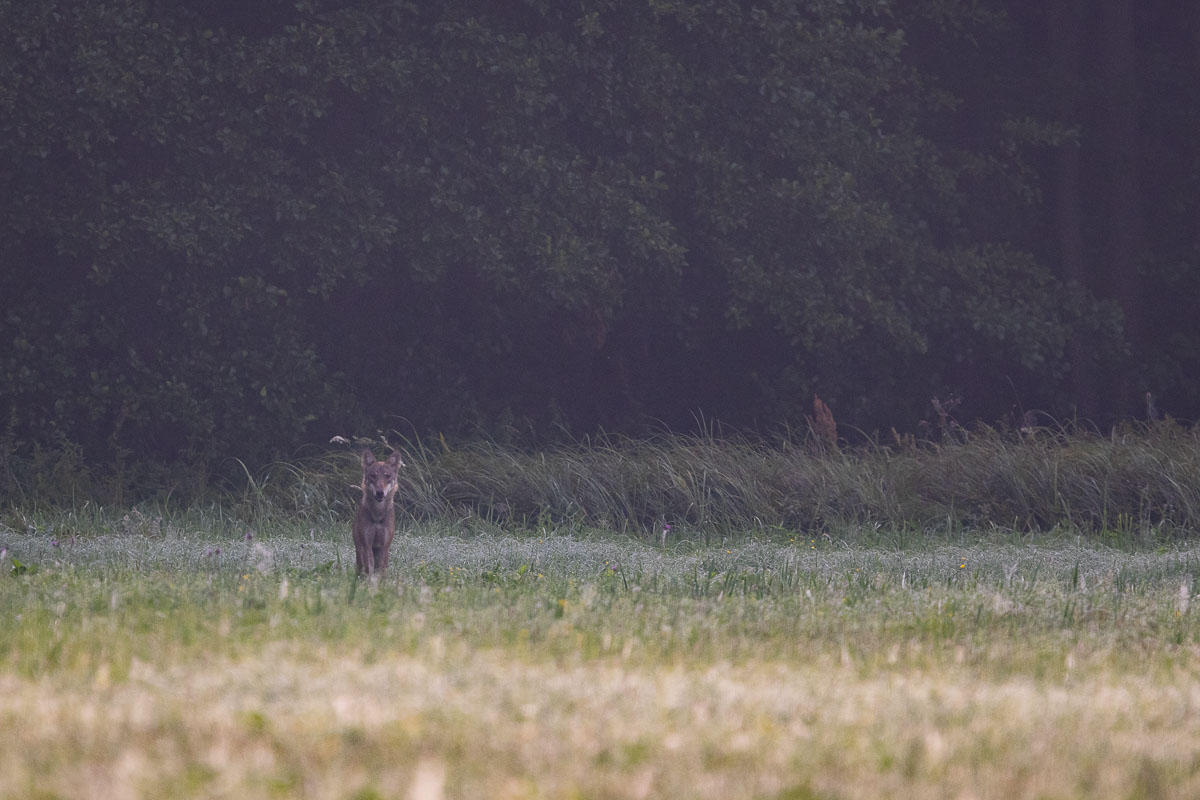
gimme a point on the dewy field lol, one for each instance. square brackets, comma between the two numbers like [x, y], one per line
[227, 651]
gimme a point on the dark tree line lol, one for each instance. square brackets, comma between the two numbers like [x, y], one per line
[230, 228]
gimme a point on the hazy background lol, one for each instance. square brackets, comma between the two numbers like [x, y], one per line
[233, 229]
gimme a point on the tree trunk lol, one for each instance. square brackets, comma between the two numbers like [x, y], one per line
[1119, 136]
[1065, 21]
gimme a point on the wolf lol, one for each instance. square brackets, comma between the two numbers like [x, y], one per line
[375, 524]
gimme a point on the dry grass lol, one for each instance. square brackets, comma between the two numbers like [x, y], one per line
[453, 721]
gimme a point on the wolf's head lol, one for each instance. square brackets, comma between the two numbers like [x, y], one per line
[379, 477]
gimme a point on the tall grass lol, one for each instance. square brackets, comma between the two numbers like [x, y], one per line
[1139, 481]
[1134, 481]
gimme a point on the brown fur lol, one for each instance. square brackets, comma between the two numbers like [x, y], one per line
[375, 524]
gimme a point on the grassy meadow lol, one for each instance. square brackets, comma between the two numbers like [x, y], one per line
[519, 649]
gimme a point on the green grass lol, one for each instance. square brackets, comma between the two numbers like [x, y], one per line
[198, 656]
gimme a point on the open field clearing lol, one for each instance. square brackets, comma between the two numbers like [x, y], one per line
[165, 659]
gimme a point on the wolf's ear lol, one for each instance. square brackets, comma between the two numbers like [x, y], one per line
[394, 459]
[368, 458]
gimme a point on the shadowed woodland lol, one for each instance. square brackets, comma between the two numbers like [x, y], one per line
[231, 230]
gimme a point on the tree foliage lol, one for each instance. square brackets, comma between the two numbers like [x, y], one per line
[231, 230]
